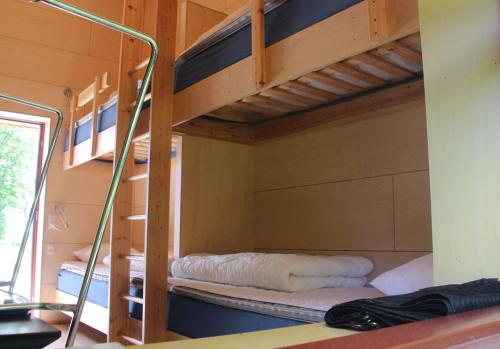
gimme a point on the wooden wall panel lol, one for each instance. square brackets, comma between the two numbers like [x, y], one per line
[462, 86]
[199, 20]
[358, 187]
[392, 141]
[217, 196]
[412, 212]
[354, 215]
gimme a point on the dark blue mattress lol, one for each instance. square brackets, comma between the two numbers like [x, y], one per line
[194, 318]
[71, 282]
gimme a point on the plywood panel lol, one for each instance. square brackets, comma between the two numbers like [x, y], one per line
[392, 142]
[412, 212]
[462, 87]
[354, 215]
[217, 196]
[199, 20]
[63, 68]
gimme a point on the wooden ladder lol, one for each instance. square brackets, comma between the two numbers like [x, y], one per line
[156, 216]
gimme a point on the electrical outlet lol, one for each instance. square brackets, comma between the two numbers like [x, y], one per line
[50, 249]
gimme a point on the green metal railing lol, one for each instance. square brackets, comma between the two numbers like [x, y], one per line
[39, 186]
[119, 165]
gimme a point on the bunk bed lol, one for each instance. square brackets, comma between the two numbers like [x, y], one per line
[255, 70]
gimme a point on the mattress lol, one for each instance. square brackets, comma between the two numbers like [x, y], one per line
[233, 44]
[70, 279]
[199, 309]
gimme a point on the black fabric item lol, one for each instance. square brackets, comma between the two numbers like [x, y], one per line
[427, 303]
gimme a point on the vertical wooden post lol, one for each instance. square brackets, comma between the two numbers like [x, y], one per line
[121, 228]
[71, 135]
[377, 19]
[258, 42]
[95, 113]
[158, 193]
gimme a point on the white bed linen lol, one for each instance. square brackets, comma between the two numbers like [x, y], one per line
[275, 271]
[101, 271]
[322, 299]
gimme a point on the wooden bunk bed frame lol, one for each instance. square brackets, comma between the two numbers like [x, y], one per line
[250, 99]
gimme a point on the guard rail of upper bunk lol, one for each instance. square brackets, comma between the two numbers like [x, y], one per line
[360, 28]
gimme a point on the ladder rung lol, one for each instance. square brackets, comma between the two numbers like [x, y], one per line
[133, 299]
[139, 66]
[131, 340]
[135, 217]
[137, 177]
[132, 105]
[133, 257]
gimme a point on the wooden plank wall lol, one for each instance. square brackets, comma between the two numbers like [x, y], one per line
[460, 42]
[357, 188]
[45, 51]
[216, 196]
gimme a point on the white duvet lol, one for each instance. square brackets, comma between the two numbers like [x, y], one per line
[283, 272]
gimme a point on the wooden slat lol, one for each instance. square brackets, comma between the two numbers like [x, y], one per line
[258, 42]
[256, 109]
[298, 85]
[139, 66]
[272, 102]
[403, 51]
[71, 138]
[292, 97]
[132, 299]
[330, 81]
[158, 185]
[132, 104]
[135, 217]
[231, 132]
[94, 113]
[121, 229]
[133, 257]
[411, 40]
[137, 177]
[230, 114]
[130, 340]
[379, 63]
[359, 75]
[88, 94]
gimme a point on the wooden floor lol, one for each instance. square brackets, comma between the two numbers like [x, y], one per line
[86, 336]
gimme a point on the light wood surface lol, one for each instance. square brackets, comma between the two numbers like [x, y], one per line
[199, 19]
[260, 339]
[462, 86]
[217, 196]
[158, 182]
[355, 187]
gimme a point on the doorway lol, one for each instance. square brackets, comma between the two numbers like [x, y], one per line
[21, 150]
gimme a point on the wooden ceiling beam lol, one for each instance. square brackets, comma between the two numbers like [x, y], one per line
[330, 81]
[232, 132]
[300, 86]
[256, 109]
[402, 51]
[345, 69]
[235, 115]
[380, 64]
[273, 102]
[289, 96]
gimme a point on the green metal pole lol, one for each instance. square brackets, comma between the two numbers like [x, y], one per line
[120, 163]
[41, 182]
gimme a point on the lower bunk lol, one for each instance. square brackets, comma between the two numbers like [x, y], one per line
[199, 309]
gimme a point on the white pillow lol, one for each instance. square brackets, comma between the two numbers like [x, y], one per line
[83, 254]
[406, 278]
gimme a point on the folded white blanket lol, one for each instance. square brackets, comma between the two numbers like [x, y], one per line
[283, 272]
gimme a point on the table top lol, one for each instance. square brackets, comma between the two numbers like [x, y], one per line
[26, 333]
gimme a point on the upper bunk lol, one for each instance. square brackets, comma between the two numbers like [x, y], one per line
[312, 54]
